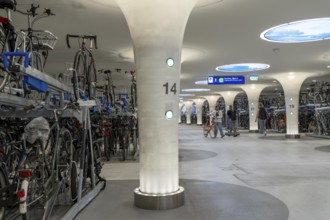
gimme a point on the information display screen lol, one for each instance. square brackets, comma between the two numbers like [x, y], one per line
[219, 80]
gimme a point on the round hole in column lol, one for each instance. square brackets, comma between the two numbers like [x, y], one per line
[169, 114]
[170, 62]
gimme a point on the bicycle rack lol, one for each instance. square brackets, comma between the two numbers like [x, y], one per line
[83, 201]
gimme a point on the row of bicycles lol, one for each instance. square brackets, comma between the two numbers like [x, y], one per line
[56, 132]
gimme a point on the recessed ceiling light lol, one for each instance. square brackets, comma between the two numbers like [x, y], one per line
[170, 62]
[328, 67]
[274, 81]
[183, 95]
[203, 82]
[195, 90]
[242, 67]
[299, 31]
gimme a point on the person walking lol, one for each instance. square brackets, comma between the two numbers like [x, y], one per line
[262, 117]
[232, 114]
[218, 121]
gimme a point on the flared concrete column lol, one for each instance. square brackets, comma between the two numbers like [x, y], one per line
[291, 83]
[253, 93]
[229, 97]
[188, 105]
[157, 28]
[212, 100]
[179, 118]
[199, 105]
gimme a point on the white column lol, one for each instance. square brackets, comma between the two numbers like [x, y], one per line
[253, 93]
[229, 97]
[291, 83]
[188, 112]
[212, 100]
[157, 28]
[180, 106]
[199, 104]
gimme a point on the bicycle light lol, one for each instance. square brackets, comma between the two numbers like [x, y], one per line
[169, 114]
[20, 194]
[25, 173]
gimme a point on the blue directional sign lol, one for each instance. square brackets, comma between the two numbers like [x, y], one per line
[219, 80]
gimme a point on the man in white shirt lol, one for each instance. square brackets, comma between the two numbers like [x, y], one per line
[218, 114]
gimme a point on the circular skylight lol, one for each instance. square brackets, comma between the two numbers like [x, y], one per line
[242, 67]
[299, 31]
[195, 90]
[203, 82]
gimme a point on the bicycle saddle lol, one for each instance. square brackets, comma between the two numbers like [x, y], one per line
[7, 4]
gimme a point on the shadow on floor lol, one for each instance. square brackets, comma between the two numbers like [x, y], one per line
[204, 200]
[190, 155]
[323, 148]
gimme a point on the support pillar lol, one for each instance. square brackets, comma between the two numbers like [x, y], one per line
[199, 104]
[229, 97]
[179, 118]
[188, 105]
[253, 93]
[157, 28]
[212, 100]
[291, 83]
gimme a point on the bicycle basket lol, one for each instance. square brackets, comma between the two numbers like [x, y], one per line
[43, 39]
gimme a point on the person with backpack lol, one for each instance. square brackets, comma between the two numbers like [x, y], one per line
[262, 117]
[232, 115]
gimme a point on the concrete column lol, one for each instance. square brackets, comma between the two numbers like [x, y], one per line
[291, 83]
[199, 104]
[253, 93]
[212, 100]
[157, 28]
[179, 118]
[188, 112]
[229, 97]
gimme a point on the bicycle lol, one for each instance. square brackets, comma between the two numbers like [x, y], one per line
[85, 75]
[36, 43]
[133, 91]
[209, 127]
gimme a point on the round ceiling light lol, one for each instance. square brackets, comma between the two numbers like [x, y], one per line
[203, 82]
[195, 90]
[299, 31]
[170, 62]
[242, 67]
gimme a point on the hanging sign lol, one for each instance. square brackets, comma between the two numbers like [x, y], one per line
[218, 80]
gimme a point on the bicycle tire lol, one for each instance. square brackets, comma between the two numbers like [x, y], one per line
[125, 144]
[107, 149]
[36, 61]
[205, 130]
[74, 177]
[213, 131]
[4, 75]
[79, 80]
[3, 183]
[134, 141]
[91, 78]
[133, 96]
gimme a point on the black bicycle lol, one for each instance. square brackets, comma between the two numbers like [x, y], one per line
[84, 77]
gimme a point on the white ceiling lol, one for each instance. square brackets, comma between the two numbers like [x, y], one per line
[216, 34]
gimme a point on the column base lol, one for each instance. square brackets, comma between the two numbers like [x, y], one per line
[159, 201]
[253, 131]
[292, 136]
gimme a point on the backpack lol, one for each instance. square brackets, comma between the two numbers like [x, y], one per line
[233, 115]
[262, 114]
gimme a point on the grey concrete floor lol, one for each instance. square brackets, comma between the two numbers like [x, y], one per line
[249, 177]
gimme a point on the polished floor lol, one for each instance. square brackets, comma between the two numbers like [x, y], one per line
[249, 177]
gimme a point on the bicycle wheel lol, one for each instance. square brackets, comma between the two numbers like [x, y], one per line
[74, 175]
[3, 48]
[79, 76]
[133, 95]
[36, 61]
[125, 144]
[107, 149]
[91, 78]
[3, 183]
[134, 141]
[65, 156]
[205, 130]
[213, 131]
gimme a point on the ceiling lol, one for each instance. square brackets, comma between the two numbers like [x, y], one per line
[217, 33]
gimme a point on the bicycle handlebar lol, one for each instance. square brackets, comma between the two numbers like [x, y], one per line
[88, 37]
